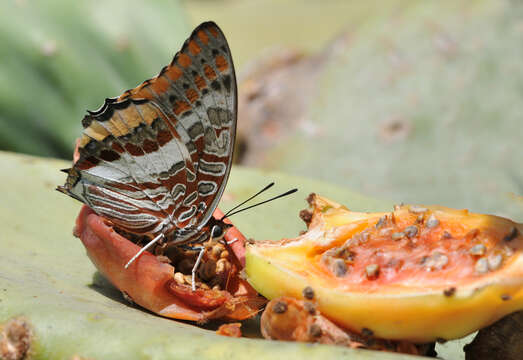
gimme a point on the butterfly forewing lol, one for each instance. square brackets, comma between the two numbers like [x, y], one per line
[213, 74]
[157, 158]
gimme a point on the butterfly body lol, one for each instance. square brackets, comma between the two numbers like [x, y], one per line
[155, 160]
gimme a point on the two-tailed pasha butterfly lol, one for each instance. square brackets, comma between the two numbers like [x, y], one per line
[155, 160]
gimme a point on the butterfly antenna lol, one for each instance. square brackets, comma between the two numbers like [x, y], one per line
[260, 203]
[249, 199]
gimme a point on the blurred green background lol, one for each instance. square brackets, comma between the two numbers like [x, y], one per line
[402, 100]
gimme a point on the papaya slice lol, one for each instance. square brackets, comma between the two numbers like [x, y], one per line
[418, 273]
[155, 285]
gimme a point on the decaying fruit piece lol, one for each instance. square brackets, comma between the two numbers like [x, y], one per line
[157, 283]
[231, 330]
[290, 319]
[417, 273]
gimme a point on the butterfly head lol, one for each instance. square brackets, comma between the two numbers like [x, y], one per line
[218, 229]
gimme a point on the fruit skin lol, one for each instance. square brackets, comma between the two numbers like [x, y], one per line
[149, 282]
[423, 306]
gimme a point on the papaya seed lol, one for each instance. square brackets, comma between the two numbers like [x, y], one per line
[432, 222]
[481, 266]
[372, 271]
[446, 235]
[494, 262]
[339, 268]
[478, 250]
[450, 291]
[309, 307]
[308, 293]
[436, 261]
[411, 231]
[381, 221]
[398, 235]
[280, 307]
[385, 232]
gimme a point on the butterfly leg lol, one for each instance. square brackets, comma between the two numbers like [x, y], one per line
[195, 268]
[199, 259]
[148, 245]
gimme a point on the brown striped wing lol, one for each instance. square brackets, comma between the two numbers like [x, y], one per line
[157, 158]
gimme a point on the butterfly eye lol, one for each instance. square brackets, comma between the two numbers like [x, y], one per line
[217, 232]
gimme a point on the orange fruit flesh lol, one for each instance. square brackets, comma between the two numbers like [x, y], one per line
[418, 273]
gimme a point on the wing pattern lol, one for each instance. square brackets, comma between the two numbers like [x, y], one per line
[157, 158]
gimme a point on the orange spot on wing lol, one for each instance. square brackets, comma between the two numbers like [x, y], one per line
[184, 60]
[192, 95]
[160, 85]
[173, 72]
[221, 63]
[180, 106]
[199, 81]
[209, 72]
[194, 48]
[213, 31]
[203, 37]
[141, 92]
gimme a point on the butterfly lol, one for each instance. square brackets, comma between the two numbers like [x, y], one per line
[155, 160]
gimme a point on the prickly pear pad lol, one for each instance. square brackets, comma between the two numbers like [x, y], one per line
[419, 273]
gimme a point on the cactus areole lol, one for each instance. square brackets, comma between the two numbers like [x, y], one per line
[418, 273]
